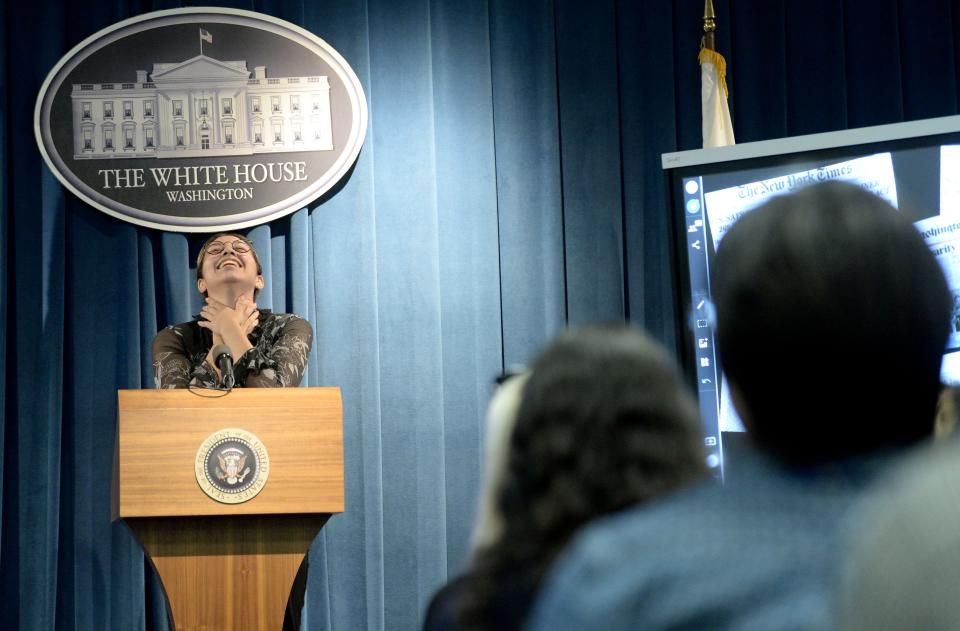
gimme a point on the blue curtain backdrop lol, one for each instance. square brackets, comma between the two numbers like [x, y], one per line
[510, 185]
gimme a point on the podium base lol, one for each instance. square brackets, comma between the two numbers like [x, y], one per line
[227, 572]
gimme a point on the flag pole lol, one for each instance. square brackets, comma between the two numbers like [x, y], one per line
[717, 125]
[709, 40]
[201, 41]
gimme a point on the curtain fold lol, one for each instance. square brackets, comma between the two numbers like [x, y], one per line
[527, 158]
[590, 161]
[510, 185]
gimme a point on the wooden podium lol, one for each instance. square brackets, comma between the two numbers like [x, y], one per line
[228, 565]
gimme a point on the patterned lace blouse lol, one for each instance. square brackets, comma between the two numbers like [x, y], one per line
[278, 359]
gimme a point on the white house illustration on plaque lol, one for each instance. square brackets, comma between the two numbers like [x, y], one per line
[201, 107]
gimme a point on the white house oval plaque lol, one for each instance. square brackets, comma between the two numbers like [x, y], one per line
[201, 119]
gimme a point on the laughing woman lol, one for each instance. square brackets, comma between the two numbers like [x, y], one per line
[270, 349]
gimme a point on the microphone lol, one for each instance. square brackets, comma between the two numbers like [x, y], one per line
[224, 361]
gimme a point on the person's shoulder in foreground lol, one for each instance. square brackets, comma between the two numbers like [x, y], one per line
[754, 554]
[832, 382]
[904, 565]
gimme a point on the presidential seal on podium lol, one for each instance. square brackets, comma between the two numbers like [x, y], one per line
[232, 466]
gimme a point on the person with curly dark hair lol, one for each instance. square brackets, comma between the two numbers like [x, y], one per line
[604, 423]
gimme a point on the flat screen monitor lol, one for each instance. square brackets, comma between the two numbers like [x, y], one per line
[915, 166]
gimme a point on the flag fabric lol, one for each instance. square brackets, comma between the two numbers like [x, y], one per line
[717, 126]
[206, 36]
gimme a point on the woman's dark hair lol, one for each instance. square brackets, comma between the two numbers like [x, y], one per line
[604, 423]
[203, 255]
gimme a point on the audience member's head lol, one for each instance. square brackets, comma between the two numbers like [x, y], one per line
[604, 423]
[903, 570]
[832, 319]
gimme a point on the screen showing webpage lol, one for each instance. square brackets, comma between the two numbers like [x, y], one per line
[921, 182]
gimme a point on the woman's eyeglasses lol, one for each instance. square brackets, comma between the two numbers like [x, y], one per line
[217, 247]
